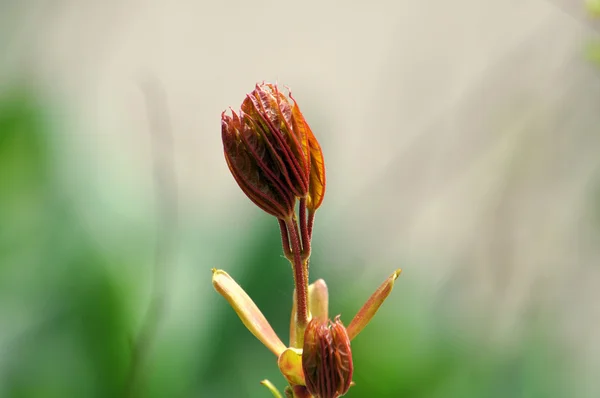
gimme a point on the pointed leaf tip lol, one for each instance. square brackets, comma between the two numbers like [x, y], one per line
[370, 308]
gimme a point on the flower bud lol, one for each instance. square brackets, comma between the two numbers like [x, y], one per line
[327, 359]
[253, 167]
[272, 153]
[269, 114]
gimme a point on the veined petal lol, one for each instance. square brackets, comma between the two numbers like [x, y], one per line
[368, 310]
[316, 188]
[249, 163]
[317, 181]
[248, 312]
[263, 106]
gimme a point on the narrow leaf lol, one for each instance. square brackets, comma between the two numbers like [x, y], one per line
[248, 312]
[368, 310]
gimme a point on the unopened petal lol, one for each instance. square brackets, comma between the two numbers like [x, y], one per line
[368, 310]
[317, 181]
[327, 359]
[248, 312]
[318, 306]
[318, 300]
[250, 165]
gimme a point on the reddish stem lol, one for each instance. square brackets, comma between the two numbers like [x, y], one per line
[285, 240]
[300, 274]
[304, 231]
[311, 222]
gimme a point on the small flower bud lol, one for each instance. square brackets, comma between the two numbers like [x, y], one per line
[253, 166]
[269, 113]
[272, 153]
[327, 359]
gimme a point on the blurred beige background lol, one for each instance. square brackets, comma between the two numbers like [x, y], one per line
[461, 138]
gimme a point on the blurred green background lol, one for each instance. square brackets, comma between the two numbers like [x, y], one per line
[80, 224]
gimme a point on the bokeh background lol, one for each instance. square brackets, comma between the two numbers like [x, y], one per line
[462, 144]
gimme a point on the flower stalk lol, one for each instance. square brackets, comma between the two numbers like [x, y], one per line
[300, 275]
[278, 163]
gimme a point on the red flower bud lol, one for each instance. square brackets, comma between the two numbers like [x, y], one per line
[327, 359]
[272, 153]
[253, 167]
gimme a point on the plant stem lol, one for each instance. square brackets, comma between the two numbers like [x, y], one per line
[285, 240]
[300, 276]
[304, 231]
[311, 222]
